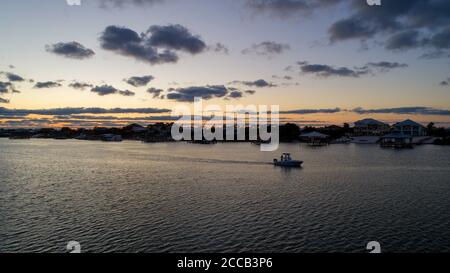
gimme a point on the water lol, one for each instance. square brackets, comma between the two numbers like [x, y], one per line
[180, 197]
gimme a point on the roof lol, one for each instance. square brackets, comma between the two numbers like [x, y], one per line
[408, 122]
[314, 134]
[369, 121]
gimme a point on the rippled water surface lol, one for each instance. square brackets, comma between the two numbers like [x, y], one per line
[180, 197]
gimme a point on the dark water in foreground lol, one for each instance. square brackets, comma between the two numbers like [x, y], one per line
[179, 197]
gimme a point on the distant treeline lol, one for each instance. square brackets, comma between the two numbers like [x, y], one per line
[159, 132]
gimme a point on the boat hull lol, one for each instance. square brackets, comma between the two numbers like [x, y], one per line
[290, 164]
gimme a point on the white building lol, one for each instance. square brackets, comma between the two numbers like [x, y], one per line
[410, 128]
[370, 127]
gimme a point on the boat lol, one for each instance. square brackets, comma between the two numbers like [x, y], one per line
[287, 161]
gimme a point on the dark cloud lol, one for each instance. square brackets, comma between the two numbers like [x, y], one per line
[404, 40]
[250, 92]
[126, 93]
[405, 111]
[267, 48]
[175, 37]
[445, 83]
[6, 87]
[2, 100]
[386, 66]
[48, 84]
[156, 92]
[235, 94]
[75, 111]
[110, 90]
[219, 48]
[123, 3]
[406, 23]
[258, 83]
[350, 28]
[156, 46]
[402, 24]
[128, 43]
[437, 54]
[441, 40]
[80, 85]
[313, 111]
[139, 81]
[285, 8]
[326, 71]
[73, 50]
[205, 92]
[13, 77]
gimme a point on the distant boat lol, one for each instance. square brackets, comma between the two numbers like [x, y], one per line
[287, 161]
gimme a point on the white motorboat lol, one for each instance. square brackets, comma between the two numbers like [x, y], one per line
[287, 161]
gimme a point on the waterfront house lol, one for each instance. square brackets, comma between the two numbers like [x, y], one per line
[396, 140]
[410, 128]
[315, 138]
[135, 128]
[370, 127]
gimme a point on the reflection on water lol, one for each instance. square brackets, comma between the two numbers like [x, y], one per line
[180, 197]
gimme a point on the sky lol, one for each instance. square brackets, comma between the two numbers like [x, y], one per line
[112, 62]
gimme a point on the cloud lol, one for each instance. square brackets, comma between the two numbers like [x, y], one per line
[156, 46]
[128, 43]
[110, 90]
[2, 100]
[258, 83]
[80, 85]
[175, 37]
[313, 111]
[286, 8]
[13, 77]
[123, 3]
[405, 111]
[445, 83]
[139, 81]
[235, 94]
[437, 54]
[208, 92]
[156, 92]
[80, 110]
[407, 24]
[219, 47]
[73, 50]
[48, 84]
[205, 92]
[386, 66]
[6, 87]
[326, 71]
[267, 48]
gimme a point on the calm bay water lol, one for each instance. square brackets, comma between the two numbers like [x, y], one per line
[180, 197]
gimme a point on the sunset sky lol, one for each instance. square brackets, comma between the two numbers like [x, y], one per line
[322, 61]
